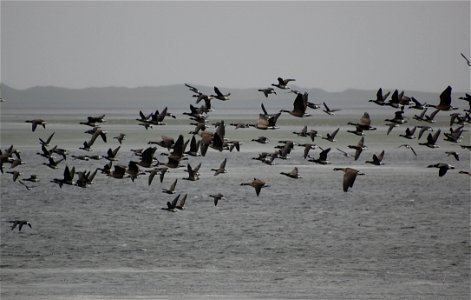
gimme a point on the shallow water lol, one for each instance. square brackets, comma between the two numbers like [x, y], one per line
[400, 232]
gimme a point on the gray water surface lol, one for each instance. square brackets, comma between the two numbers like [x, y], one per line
[400, 232]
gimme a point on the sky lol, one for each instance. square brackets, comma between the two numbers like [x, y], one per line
[413, 45]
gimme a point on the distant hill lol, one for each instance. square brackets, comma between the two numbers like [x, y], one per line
[179, 97]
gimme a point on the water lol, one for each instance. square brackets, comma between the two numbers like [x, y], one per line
[400, 232]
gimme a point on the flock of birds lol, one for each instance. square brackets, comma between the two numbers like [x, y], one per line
[147, 164]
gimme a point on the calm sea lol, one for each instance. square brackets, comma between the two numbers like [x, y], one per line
[400, 232]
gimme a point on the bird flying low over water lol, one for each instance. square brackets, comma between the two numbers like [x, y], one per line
[380, 98]
[261, 140]
[193, 173]
[19, 223]
[171, 206]
[15, 174]
[322, 157]
[68, 177]
[407, 146]
[221, 169]
[409, 133]
[170, 190]
[28, 187]
[47, 141]
[377, 159]
[359, 147]
[216, 198]
[443, 168]
[432, 139]
[331, 136]
[32, 178]
[455, 154]
[162, 170]
[349, 177]
[293, 174]
[36, 122]
[267, 91]
[445, 100]
[256, 183]
[329, 111]
[364, 123]
[219, 95]
[121, 137]
[299, 106]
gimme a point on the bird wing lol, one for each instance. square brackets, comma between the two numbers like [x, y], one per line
[162, 174]
[174, 202]
[115, 151]
[264, 110]
[174, 184]
[442, 170]
[467, 60]
[14, 224]
[381, 156]
[222, 166]
[151, 176]
[50, 138]
[326, 107]
[192, 88]
[182, 202]
[294, 172]
[445, 96]
[348, 179]
[323, 154]
[218, 92]
[435, 136]
[299, 103]
[334, 133]
[357, 153]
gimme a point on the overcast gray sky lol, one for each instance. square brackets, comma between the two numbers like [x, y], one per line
[329, 45]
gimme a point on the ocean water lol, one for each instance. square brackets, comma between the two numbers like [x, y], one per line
[400, 232]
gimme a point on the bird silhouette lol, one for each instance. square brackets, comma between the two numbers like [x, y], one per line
[293, 174]
[442, 168]
[19, 223]
[256, 183]
[349, 177]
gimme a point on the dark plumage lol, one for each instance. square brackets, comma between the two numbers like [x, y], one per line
[216, 198]
[256, 183]
[443, 168]
[349, 177]
[377, 159]
[36, 122]
[19, 223]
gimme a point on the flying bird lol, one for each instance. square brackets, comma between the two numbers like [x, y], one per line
[349, 177]
[19, 223]
[36, 122]
[282, 83]
[407, 146]
[256, 183]
[216, 198]
[221, 169]
[267, 91]
[443, 168]
[467, 60]
[219, 95]
[293, 174]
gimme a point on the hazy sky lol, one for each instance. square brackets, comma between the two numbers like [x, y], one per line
[329, 45]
